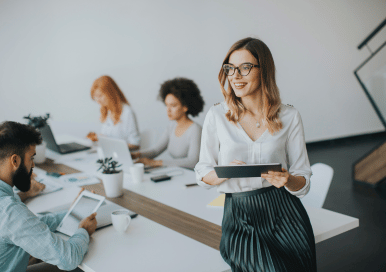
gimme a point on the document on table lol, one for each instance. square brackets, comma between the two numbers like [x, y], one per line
[78, 179]
[218, 202]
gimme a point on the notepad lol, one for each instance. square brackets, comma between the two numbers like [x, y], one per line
[218, 202]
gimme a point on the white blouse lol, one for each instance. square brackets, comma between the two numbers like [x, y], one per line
[222, 142]
[126, 129]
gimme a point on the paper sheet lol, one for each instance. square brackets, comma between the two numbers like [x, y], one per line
[218, 202]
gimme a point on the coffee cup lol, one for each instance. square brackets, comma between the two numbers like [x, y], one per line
[121, 220]
[137, 171]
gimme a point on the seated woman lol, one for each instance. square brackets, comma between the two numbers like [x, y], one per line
[117, 117]
[182, 138]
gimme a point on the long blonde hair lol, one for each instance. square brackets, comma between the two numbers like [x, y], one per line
[114, 95]
[270, 92]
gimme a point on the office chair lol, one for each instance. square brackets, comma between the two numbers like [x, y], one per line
[320, 183]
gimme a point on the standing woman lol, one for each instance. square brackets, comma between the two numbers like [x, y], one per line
[265, 226]
[117, 117]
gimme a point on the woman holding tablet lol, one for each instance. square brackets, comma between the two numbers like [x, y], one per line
[182, 136]
[117, 117]
[265, 226]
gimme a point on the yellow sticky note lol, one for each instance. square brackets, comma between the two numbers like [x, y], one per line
[218, 202]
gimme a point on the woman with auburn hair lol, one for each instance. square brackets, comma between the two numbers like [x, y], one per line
[265, 226]
[117, 117]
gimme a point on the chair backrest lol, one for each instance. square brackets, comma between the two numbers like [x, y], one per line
[320, 183]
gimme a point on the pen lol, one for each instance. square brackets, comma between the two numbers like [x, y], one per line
[191, 184]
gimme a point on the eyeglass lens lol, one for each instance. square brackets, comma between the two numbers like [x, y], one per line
[244, 69]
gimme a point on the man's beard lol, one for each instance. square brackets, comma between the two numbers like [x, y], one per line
[21, 178]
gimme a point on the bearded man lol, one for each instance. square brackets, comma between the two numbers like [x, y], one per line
[22, 233]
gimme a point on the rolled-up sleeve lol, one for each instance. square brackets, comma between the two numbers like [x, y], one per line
[33, 235]
[297, 157]
[209, 150]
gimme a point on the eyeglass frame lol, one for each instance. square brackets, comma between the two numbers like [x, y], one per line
[237, 68]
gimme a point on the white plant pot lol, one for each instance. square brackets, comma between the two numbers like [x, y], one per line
[40, 156]
[113, 184]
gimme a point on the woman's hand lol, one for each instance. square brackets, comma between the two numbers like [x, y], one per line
[92, 136]
[277, 179]
[236, 162]
[135, 155]
[149, 162]
[212, 179]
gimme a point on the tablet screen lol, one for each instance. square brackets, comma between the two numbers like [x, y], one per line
[84, 207]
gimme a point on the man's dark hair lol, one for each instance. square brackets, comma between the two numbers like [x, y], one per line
[15, 138]
[186, 91]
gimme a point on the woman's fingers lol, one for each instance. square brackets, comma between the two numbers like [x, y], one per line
[237, 162]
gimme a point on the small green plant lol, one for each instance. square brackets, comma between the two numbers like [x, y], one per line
[108, 166]
[37, 121]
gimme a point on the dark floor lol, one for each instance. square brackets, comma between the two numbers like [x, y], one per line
[364, 248]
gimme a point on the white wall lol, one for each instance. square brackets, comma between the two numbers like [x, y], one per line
[51, 52]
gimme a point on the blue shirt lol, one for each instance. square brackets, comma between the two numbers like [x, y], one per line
[22, 233]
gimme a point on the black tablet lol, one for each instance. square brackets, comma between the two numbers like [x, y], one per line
[246, 170]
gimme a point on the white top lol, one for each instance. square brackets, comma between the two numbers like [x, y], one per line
[126, 129]
[184, 149]
[222, 142]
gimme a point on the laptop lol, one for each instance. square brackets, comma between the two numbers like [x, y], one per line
[118, 150]
[103, 216]
[49, 138]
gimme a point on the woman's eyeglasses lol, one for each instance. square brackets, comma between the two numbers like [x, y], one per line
[244, 69]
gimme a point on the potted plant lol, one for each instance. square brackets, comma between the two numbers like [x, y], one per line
[112, 178]
[38, 122]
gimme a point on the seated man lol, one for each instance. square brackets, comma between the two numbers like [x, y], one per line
[21, 232]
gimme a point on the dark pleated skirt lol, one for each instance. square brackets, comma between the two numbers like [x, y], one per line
[267, 230]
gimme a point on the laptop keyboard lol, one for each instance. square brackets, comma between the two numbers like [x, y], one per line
[71, 146]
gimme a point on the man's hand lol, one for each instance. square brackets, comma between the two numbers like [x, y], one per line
[36, 187]
[89, 224]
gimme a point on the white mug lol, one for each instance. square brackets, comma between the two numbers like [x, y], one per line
[121, 220]
[137, 171]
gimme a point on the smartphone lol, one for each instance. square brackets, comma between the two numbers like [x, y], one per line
[160, 178]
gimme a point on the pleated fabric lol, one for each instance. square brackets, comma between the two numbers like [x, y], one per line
[267, 230]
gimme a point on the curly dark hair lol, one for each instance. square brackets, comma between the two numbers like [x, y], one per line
[186, 91]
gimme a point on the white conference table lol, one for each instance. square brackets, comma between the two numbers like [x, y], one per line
[149, 246]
